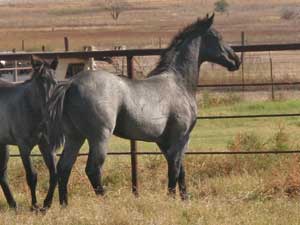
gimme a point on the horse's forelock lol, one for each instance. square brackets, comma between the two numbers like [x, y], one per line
[45, 78]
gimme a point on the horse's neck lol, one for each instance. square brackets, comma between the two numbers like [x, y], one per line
[33, 96]
[187, 64]
[184, 63]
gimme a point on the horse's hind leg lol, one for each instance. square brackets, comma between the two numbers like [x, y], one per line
[65, 164]
[49, 158]
[4, 156]
[31, 175]
[96, 158]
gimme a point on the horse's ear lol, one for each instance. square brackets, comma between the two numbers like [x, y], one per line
[54, 63]
[210, 19]
[36, 62]
[212, 16]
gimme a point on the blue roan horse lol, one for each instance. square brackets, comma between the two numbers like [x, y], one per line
[161, 108]
[22, 111]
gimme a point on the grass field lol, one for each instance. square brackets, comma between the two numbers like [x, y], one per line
[261, 189]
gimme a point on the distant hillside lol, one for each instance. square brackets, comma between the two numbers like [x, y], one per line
[141, 23]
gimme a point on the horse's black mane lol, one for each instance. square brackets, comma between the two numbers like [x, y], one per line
[193, 30]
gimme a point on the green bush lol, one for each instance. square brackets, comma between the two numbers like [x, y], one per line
[221, 6]
[248, 141]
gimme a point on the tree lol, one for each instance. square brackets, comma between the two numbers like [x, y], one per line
[116, 7]
[221, 6]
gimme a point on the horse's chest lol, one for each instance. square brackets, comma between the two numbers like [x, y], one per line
[182, 116]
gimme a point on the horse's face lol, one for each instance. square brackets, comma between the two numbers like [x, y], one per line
[215, 50]
[42, 69]
[44, 74]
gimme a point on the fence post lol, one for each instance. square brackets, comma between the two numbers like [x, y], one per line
[23, 45]
[159, 42]
[66, 41]
[242, 59]
[271, 75]
[15, 74]
[133, 144]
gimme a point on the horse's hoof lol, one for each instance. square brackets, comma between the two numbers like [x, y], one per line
[184, 196]
[44, 209]
[35, 208]
[63, 205]
[100, 191]
[47, 205]
[13, 206]
[172, 194]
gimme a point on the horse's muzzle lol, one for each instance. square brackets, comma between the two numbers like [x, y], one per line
[236, 62]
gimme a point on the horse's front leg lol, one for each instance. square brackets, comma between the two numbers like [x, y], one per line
[181, 183]
[31, 175]
[49, 156]
[174, 156]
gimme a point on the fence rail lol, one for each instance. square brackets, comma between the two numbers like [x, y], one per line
[248, 84]
[223, 152]
[138, 52]
[129, 54]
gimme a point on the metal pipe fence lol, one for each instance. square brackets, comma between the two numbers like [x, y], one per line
[223, 152]
[130, 54]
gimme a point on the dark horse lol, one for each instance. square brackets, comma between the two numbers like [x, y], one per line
[161, 108]
[22, 111]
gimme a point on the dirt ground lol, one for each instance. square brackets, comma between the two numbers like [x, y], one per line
[142, 24]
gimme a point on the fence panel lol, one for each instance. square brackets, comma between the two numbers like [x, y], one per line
[130, 54]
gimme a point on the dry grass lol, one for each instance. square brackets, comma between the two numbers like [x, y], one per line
[221, 192]
[145, 210]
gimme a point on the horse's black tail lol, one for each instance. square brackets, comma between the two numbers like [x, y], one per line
[55, 107]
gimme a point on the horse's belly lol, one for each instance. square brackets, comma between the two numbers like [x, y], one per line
[143, 129]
